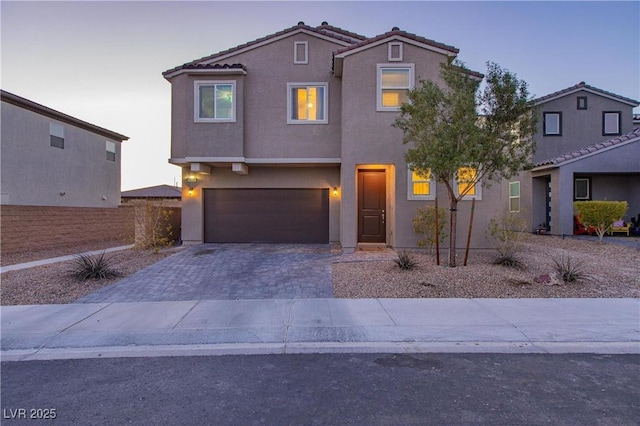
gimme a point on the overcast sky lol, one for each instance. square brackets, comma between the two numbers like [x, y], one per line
[102, 61]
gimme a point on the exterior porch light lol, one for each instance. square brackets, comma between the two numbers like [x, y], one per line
[191, 183]
[335, 191]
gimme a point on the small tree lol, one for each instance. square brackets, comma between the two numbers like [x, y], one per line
[425, 224]
[153, 227]
[487, 133]
[600, 214]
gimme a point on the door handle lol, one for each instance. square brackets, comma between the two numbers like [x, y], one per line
[383, 216]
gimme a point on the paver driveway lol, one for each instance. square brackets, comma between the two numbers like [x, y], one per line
[228, 271]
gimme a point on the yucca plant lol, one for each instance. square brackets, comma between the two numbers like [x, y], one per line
[405, 261]
[569, 271]
[86, 266]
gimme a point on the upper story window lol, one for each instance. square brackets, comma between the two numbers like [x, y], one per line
[56, 135]
[465, 183]
[421, 186]
[394, 83]
[215, 101]
[300, 52]
[111, 151]
[552, 122]
[611, 123]
[307, 103]
[582, 102]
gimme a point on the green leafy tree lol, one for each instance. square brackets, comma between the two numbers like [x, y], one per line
[457, 125]
[600, 214]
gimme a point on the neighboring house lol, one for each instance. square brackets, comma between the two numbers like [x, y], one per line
[289, 138]
[586, 149]
[158, 192]
[53, 159]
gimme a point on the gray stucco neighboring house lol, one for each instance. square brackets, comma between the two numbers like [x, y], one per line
[586, 149]
[53, 159]
[609, 170]
[289, 138]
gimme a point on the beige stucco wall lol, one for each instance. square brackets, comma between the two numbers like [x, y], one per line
[35, 173]
[260, 177]
[261, 129]
[368, 138]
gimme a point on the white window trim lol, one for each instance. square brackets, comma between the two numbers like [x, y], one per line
[296, 60]
[379, 69]
[196, 101]
[390, 56]
[478, 195]
[513, 196]
[575, 195]
[326, 103]
[412, 196]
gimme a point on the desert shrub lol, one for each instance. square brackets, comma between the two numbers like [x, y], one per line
[85, 267]
[569, 271]
[509, 232]
[425, 224]
[153, 226]
[405, 261]
[600, 214]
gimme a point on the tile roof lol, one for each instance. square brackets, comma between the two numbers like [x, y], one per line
[326, 31]
[397, 32]
[590, 149]
[158, 191]
[636, 117]
[193, 66]
[326, 28]
[581, 86]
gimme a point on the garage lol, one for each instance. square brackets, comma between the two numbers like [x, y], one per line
[266, 216]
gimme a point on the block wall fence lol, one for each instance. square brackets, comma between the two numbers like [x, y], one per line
[29, 228]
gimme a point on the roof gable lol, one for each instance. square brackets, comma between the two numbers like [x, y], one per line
[590, 150]
[582, 86]
[397, 34]
[328, 33]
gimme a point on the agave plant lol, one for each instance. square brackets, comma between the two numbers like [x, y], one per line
[86, 266]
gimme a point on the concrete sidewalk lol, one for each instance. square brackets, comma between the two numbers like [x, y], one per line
[214, 327]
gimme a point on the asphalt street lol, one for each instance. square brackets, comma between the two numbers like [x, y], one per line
[326, 389]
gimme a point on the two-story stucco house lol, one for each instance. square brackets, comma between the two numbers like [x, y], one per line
[53, 159]
[289, 138]
[586, 149]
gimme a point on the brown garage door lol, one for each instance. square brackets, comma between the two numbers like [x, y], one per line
[266, 215]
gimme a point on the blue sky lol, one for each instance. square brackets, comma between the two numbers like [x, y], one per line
[102, 61]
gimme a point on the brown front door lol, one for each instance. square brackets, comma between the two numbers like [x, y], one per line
[371, 206]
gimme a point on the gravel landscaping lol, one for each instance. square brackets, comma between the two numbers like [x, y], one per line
[611, 271]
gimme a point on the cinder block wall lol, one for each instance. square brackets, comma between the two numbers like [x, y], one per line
[26, 228]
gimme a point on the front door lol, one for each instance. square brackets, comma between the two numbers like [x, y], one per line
[371, 206]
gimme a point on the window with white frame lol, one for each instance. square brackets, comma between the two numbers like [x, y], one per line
[552, 122]
[611, 123]
[395, 52]
[300, 52]
[514, 197]
[582, 188]
[421, 186]
[465, 183]
[215, 101]
[394, 83]
[307, 103]
[56, 135]
[111, 151]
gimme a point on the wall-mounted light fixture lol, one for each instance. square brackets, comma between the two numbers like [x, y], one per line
[191, 183]
[335, 191]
